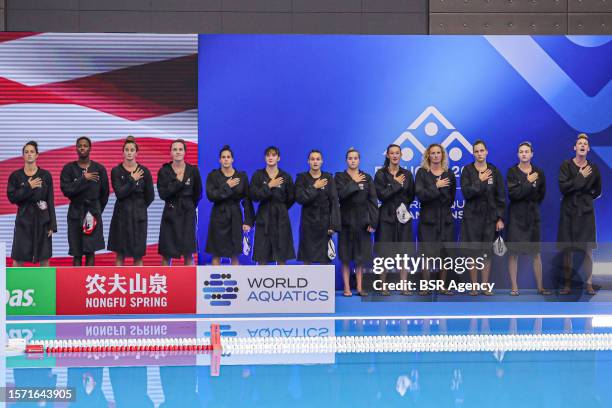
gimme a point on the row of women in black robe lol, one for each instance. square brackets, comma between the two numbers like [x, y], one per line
[85, 183]
[346, 203]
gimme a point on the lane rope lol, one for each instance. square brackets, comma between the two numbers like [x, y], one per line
[424, 343]
[333, 344]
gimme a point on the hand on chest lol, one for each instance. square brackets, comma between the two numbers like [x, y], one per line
[125, 178]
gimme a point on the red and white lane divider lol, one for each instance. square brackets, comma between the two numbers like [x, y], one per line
[333, 344]
[119, 345]
[127, 345]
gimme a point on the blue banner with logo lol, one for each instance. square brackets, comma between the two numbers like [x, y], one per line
[303, 92]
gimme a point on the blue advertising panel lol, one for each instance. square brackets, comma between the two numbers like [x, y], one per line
[303, 92]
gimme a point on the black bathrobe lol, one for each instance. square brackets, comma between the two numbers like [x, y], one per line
[358, 210]
[484, 204]
[320, 213]
[523, 226]
[31, 242]
[84, 196]
[390, 232]
[128, 229]
[273, 235]
[436, 223]
[226, 217]
[577, 228]
[177, 232]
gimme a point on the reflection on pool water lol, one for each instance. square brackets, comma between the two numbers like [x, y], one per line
[425, 379]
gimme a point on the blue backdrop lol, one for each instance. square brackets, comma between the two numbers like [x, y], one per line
[332, 92]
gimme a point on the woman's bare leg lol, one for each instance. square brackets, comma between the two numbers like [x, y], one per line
[346, 274]
[425, 275]
[486, 271]
[474, 279]
[404, 278]
[513, 271]
[587, 265]
[537, 271]
[359, 276]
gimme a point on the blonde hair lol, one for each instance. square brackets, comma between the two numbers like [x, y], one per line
[425, 163]
[582, 136]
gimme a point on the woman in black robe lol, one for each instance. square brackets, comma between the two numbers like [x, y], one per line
[133, 186]
[580, 185]
[227, 188]
[526, 188]
[316, 191]
[395, 190]
[359, 214]
[180, 186]
[31, 189]
[85, 183]
[482, 185]
[273, 189]
[436, 187]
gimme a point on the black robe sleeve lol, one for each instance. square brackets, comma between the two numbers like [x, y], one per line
[149, 191]
[517, 189]
[372, 205]
[334, 219]
[258, 190]
[215, 192]
[16, 193]
[289, 191]
[410, 187]
[500, 195]
[197, 186]
[50, 199]
[69, 186]
[286, 192]
[346, 186]
[385, 191]
[122, 190]
[425, 191]
[104, 188]
[472, 187]
[247, 204]
[541, 187]
[595, 190]
[167, 184]
[567, 183]
[428, 192]
[305, 192]
[451, 192]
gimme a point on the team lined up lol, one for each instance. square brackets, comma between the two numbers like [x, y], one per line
[85, 183]
[346, 203]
